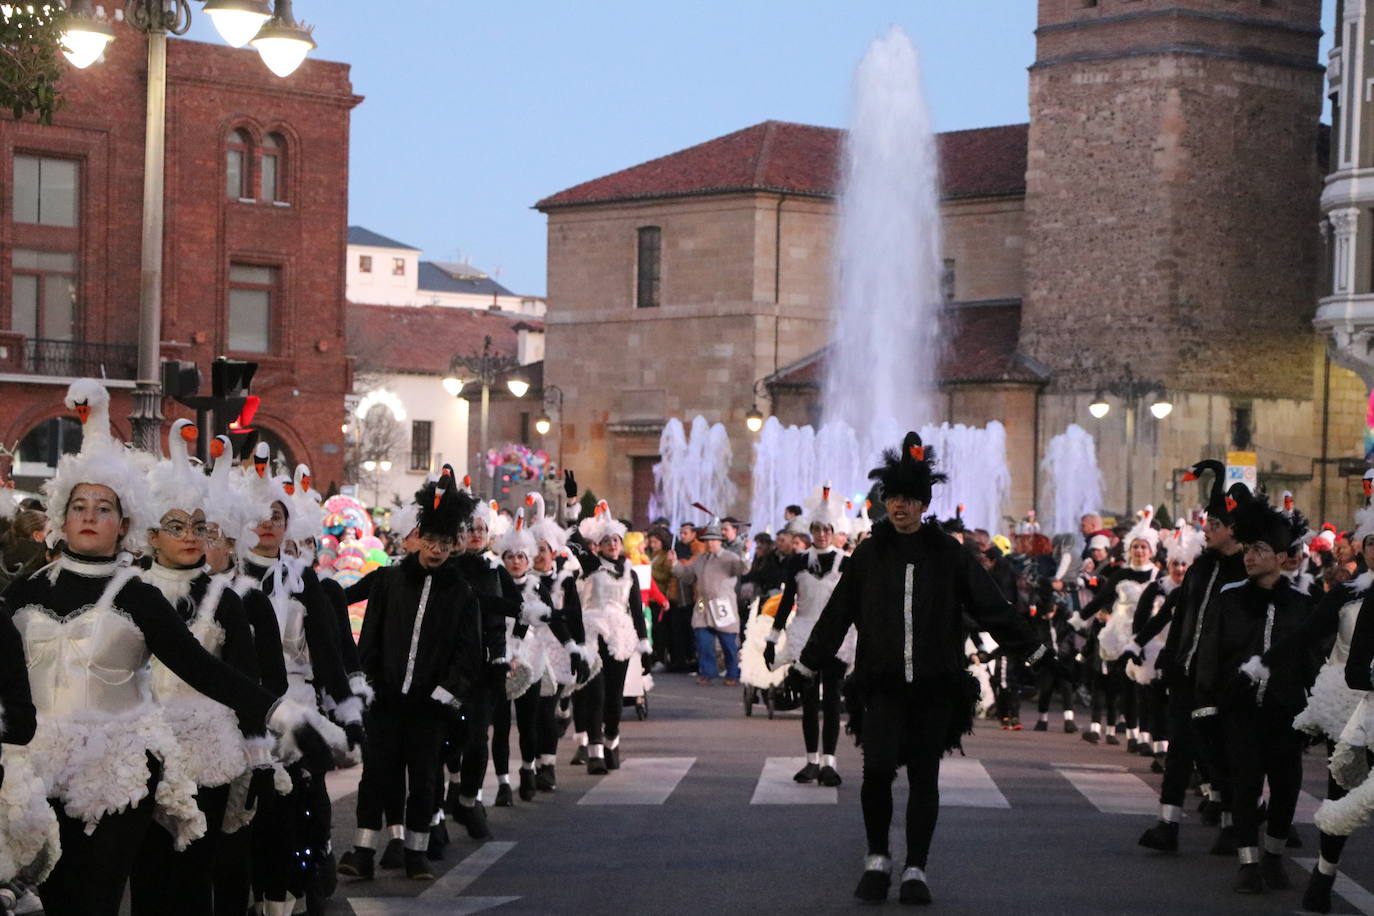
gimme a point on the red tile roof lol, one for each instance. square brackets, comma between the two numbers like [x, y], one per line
[979, 346]
[424, 339]
[779, 156]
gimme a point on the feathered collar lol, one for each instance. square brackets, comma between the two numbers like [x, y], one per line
[613, 568]
[82, 565]
[173, 583]
[813, 559]
[1360, 584]
[257, 565]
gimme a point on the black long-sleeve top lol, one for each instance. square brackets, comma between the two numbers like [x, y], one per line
[447, 642]
[18, 719]
[800, 565]
[907, 594]
[1249, 620]
[321, 627]
[262, 620]
[566, 620]
[1357, 664]
[362, 589]
[1145, 608]
[497, 595]
[164, 632]
[347, 647]
[1193, 611]
[1105, 595]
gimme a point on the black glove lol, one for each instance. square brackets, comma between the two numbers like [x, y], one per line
[357, 736]
[581, 670]
[983, 657]
[1049, 662]
[1129, 657]
[795, 680]
[315, 753]
[569, 484]
[770, 653]
[260, 785]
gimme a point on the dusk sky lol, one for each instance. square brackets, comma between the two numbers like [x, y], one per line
[475, 111]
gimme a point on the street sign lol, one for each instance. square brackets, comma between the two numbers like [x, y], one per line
[1242, 467]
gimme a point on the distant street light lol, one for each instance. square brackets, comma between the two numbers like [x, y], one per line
[1131, 391]
[485, 368]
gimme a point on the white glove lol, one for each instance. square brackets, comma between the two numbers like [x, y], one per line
[643, 647]
[1255, 669]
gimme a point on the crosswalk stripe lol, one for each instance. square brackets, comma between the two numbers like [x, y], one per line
[639, 781]
[775, 785]
[965, 783]
[1112, 790]
[1307, 806]
[1355, 895]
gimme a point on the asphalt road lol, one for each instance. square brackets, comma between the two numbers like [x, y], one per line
[695, 822]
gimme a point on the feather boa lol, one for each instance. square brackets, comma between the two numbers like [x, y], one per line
[29, 842]
[752, 668]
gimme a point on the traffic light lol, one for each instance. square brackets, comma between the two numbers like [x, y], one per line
[180, 380]
[229, 400]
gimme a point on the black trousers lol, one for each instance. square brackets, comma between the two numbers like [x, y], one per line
[166, 881]
[402, 753]
[681, 642]
[283, 829]
[89, 878]
[1047, 684]
[821, 699]
[470, 759]
[1184, 753]
[597, 706]
[904, 728]
[1261, 744]
[526, 708]
[546, 725]
[1008, 685]
[233, 872]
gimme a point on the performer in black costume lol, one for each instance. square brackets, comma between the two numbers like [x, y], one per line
[906, 590]
[421, 650]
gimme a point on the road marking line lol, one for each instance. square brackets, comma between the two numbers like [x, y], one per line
[640, 781]
[776, 786]
[1110, 790]
[458, 878]
[342, 783]
[442, 895]
[965, 783]
[1354, 895]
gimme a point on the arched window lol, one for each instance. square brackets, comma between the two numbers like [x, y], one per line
[238, 157]
[274, 168]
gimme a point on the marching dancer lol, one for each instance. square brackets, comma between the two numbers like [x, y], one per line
[517, 549]
[613, 614]
[104, 749]
[421, 650]
[811, 577]
[906, 591]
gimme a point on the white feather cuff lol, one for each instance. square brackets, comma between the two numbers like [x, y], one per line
[574, 649]
[443, 696]
[350, 711]
[288, 715]
[1255, 670]
[643, 647]
[1133, 648]
[357, 683]
[533, 612]
[259, 752]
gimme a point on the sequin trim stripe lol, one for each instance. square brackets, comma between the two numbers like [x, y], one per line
[1268, 641]
[906, 620]
[1201, 615]
[415, 635]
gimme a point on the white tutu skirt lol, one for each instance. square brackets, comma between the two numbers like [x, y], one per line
[557, 662]
[1349, 761]
[1331, 704]
[522, 675]
[29, 840]
[615, 629]
[753, 671]
[99, 766]
[798, 632]
[209, 732]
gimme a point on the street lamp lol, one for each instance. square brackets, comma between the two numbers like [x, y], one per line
[282, 44]
[552, 395]
[484, 369]
[1131, 391]
[753, 420]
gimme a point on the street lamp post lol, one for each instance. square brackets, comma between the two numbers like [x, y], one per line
[484, 368]
[1131, 391]
[280, 41]
[552, 394]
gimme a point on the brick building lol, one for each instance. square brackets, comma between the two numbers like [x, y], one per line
[256, 230]
[1156, 216]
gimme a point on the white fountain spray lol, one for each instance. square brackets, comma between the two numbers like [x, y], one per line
[880, 371]
[693, 467]
[1075, 482]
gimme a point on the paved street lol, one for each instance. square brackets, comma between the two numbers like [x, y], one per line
[703, 818]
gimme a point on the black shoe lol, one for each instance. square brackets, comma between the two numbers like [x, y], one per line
[596, 766]
[1271, 867]
[612, 757]
[504, 796]
[391, 856]
[1144, 749]
[1070, 726]
[914, 891]
[527, 785]
[326, 875]
[1211, 813]
[873, 886]
[474, 819]
[1132, 745]
[1249, 880]
[417, 866]
[357, 863]
[1092, 737]
[438, 839]
[579, 756]
[563, 722]
[1226, 843]
[1294, 841]
[546, 779]
[828, 777]
[1317, 897]
[1162, 837]
[1112, 738]
[1040, 726]
[807, 773]
[1156, 766]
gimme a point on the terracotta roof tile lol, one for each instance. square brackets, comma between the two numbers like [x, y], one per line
[801, 159]
[979, 346]
[385, 338]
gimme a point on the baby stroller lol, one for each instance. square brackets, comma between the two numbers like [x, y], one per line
[762, 684]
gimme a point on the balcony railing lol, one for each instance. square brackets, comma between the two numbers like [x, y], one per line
[78, 359]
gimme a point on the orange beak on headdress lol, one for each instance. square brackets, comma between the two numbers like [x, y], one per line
[83, 411]
[918, 452]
